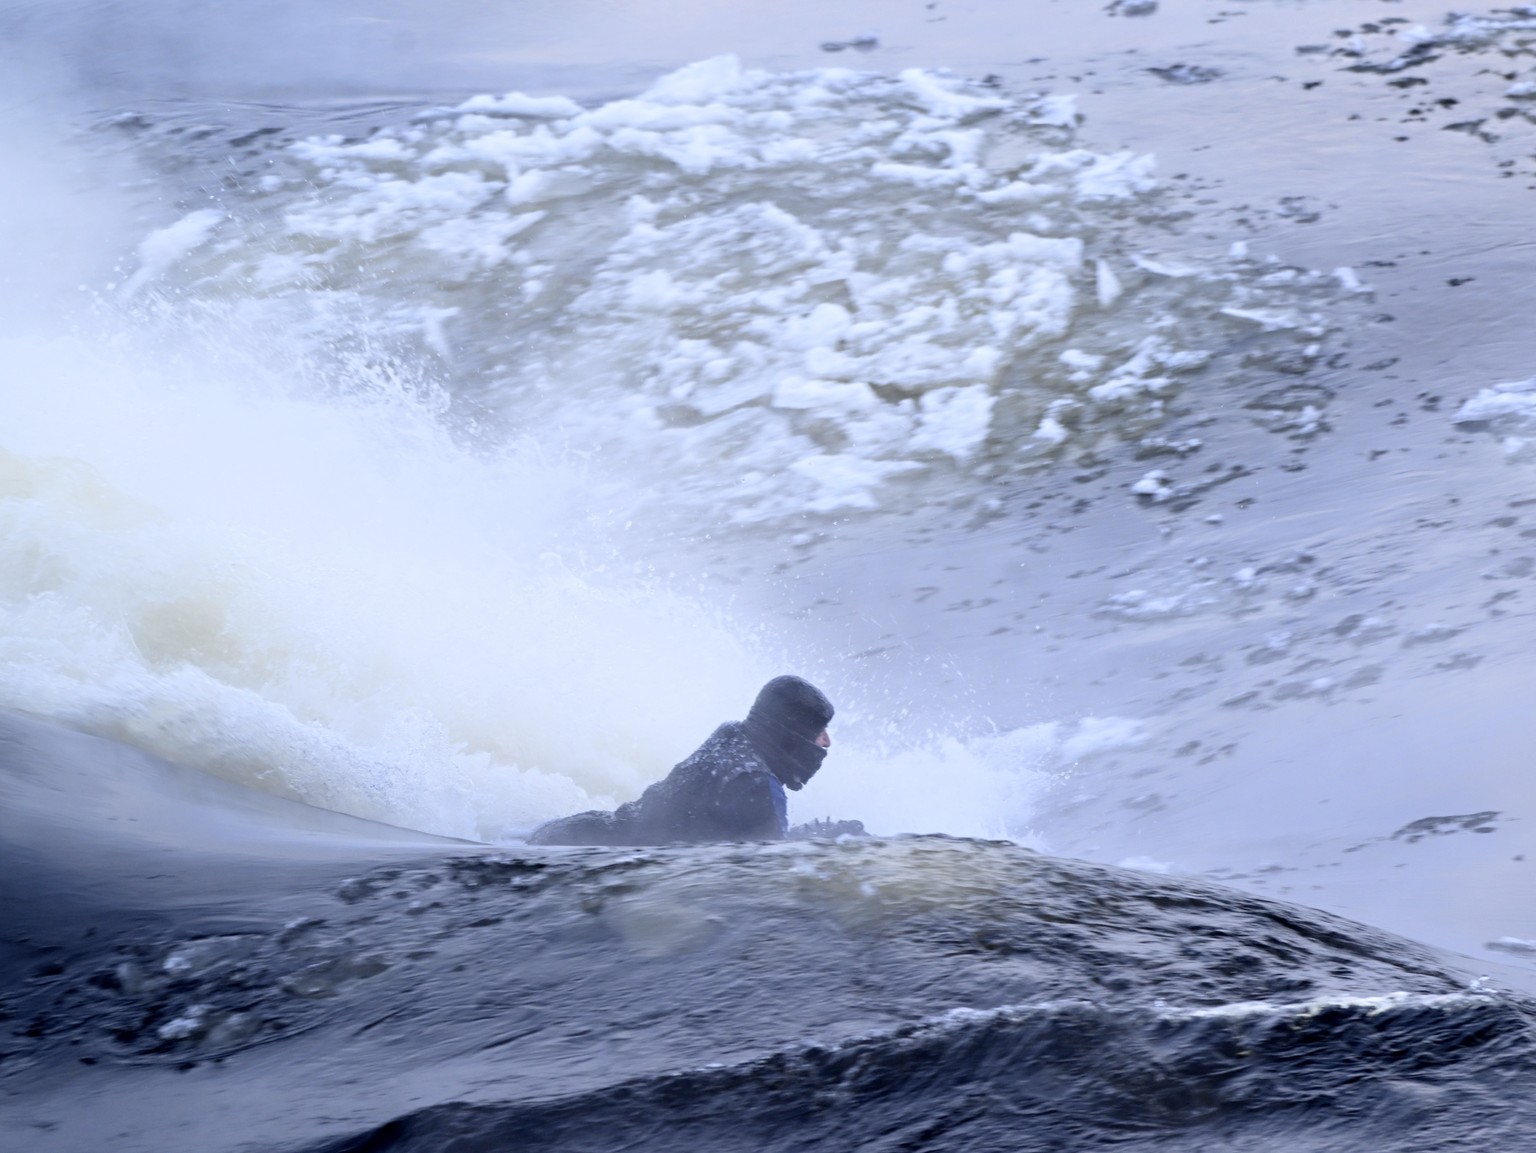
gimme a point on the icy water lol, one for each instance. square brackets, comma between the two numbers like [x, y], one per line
[418, 424]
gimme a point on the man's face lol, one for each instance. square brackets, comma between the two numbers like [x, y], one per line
[824, 739]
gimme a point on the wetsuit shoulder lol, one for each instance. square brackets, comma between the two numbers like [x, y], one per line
[721, 791]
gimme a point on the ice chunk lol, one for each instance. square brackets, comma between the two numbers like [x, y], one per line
[1058, 111]
[517, 104]
[1106, 283]
[482, 239]
[953, 421]
[1093, 177]
[1163, 267]
[824, 395]
[1269, 319]
[1051, 430]
[190, 1024]
[1155, 485]
[701, 82]
[1513, 402]
[1080, 361]
[847, 482]
[944, 98]
[1349, 280]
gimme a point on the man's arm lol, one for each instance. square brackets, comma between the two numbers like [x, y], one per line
[827, 830]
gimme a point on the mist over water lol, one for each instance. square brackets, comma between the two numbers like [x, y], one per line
[294, 575]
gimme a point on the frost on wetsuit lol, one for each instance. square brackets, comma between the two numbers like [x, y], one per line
[731, 788]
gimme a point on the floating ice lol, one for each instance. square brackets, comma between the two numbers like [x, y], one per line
[1147, 605]
[189, 1025]
[1508, 405]
[1461, 31]
[1270, 319]
[764, 293]
[1155, 485]
[1108, 284]
[1350, 280]
[1464, 30]
[1508, 409]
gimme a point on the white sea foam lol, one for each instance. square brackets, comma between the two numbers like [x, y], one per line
[328, 597]
[1300, 1010]
[984, 785]
[310, 587]
[1381, 1005]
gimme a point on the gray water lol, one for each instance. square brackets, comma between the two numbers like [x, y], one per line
[381, 451]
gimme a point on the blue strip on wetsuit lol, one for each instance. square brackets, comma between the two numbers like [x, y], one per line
[780, 805]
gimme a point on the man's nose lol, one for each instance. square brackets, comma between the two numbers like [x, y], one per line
[824, 739]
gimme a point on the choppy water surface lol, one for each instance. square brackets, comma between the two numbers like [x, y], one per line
[334, 986]
[1127, 422]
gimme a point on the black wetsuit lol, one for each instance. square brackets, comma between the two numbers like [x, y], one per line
[731, 788]
[723, 791]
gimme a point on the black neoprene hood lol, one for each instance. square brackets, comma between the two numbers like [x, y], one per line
[783, 725]
[792, 703]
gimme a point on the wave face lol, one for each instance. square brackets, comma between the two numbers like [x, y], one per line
[1160, 1015]
[346, 989]
[1062, 1076]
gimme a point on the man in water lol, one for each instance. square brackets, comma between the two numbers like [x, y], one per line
[731, 788]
